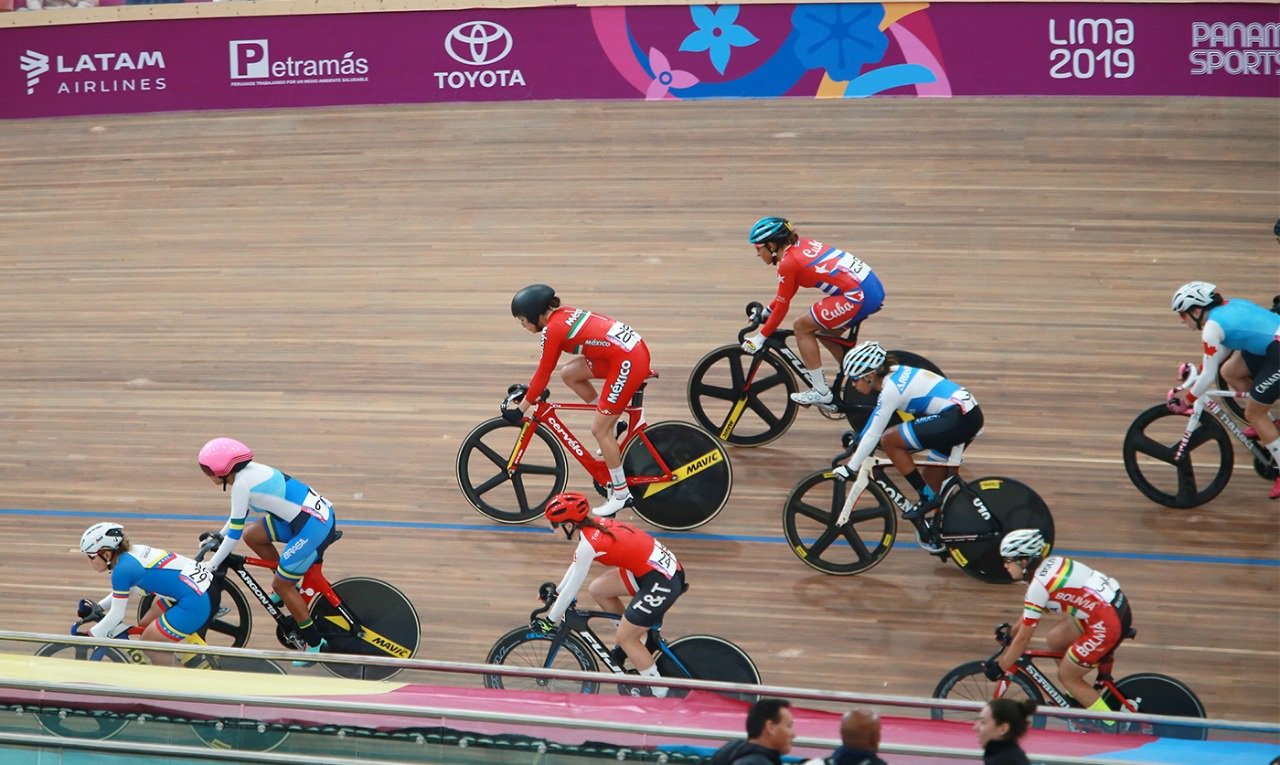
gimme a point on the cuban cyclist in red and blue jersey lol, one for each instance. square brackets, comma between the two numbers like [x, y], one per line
[852, 290]
[294, 515]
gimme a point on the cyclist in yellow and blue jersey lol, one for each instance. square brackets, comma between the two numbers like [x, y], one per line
[181, 587]
[294, 515]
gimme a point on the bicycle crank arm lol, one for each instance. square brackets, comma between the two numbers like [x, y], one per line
[382, 643]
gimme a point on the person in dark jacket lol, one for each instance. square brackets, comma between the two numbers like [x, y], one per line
[999, 726]
[770, 731]
[859, 740]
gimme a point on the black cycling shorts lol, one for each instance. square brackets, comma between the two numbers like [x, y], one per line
[1265, 371]
[654, 595]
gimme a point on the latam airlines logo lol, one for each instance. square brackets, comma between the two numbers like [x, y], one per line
[110, 72]
[34, 64]
[479, 44]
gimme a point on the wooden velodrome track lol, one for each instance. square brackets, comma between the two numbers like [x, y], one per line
[332, 287]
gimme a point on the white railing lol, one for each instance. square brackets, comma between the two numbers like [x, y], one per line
[665, 732]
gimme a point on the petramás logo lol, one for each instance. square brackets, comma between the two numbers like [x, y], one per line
[80, 73]
[479, 44]
[253, 65]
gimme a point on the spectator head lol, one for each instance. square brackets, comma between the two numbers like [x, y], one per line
[770, 724]
[860, 729]
[1003, 720]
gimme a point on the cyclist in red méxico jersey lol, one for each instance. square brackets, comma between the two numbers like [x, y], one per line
[605, 349]
[853, 292]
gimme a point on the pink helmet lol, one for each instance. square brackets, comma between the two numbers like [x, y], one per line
[221, 455]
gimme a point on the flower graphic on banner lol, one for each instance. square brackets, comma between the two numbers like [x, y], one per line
[664, 77]
[717, 33]
[839, 38]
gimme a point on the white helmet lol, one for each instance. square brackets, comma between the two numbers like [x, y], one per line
[1193, 294]
[863, 358]
[101, 536]
[1023, 543]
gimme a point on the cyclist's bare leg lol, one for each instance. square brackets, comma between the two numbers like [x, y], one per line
[293, 600]
[577, 375]
[602, 427]
[1236, 373]
[934, 475]
[152, 632]
[608, 590]
[1071, 675]
[896, 449]
[1259, 416]
[260, 542]
[836, 350]
[807, 341]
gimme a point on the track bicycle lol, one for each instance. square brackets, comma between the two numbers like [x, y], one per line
[574, 645]
[847, 527]
[358, 615]
[680, 477]
[1161, 445]
[745, 399]
[103, 723]
[1144, 693]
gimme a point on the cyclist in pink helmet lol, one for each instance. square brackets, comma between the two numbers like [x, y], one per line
[293, 515]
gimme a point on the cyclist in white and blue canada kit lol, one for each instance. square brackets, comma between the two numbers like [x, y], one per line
[1225, 326]
[295, 516]
[947, 418]
[181, 587]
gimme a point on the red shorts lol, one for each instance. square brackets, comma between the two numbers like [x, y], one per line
[622, 378]
[1101, 635]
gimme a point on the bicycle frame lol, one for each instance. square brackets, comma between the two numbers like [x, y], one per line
[545, 413]
[1027, 668]
[578, 622]
[1208, 402]
[314, 585]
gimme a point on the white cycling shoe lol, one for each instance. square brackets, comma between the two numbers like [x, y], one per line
[612, 505]
[812, 396]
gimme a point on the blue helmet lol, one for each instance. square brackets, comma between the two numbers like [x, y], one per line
[770, 229]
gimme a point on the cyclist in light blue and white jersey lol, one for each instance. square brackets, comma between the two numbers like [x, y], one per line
[180, 584]
[1235, 325]
[947, 417]
[295, 516]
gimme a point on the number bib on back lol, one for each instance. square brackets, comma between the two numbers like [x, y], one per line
[623, 336]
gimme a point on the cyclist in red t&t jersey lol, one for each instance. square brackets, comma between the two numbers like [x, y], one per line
[853, 293]
[647, 573]
[606, 349]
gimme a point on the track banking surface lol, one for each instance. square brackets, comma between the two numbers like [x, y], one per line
[1222, 560]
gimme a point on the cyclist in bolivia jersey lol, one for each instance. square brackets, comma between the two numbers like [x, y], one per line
[606, 349]
[180, 584]
[1099, 611]
[647, 572]
[295, 516]
[853, 293]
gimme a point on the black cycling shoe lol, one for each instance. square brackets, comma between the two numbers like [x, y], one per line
[922, 508]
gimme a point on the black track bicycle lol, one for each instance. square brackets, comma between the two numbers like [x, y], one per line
[1185, 460]
[575, 646]
[1144, 693]
[846, 527]
[745, 399]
